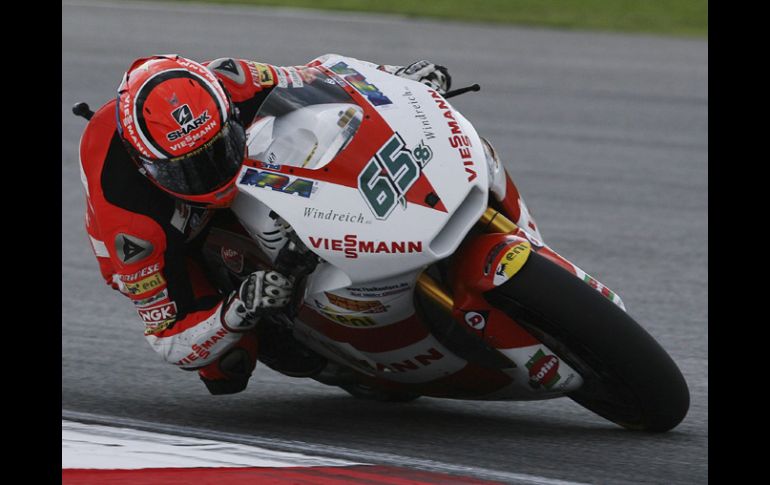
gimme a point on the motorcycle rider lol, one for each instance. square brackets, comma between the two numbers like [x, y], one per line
[157, 163]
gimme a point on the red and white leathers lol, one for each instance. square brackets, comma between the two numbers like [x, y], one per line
[148, 243]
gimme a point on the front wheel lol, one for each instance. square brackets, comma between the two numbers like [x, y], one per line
[628, 378]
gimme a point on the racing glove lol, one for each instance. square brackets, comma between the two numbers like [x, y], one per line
[261, 293]
[437, 77]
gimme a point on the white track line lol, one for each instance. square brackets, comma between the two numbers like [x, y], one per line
[95, 446]
[337, 452]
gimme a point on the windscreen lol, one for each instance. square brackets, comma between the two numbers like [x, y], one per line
[304, 124]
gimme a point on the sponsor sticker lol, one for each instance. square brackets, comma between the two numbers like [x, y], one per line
[158, 313]
[511, 262]
[355, 321]
[413, 363]
[476, 320]
[231, 69]
[282, 79]
[360, 306]
[296, 79]
[203, 350]
[311, 75]
[596, 285]
[131, 249]
[173, 100]
[154, 299]
[492, 255]
[142, 272]
[346, 117]
[233, 259]
[254, 75]
[195, 135]
[566, 381]
[351, 246]
[420, 115]
[187, 124]
[336, 216]
[391, 172]
[154, 328]
[262, 74]
[379, 291]
[543, 370]
[278, 182]
[360, 84]
[458, 139]
[145, 285]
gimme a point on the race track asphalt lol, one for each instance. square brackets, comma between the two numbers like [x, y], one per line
[606, 138]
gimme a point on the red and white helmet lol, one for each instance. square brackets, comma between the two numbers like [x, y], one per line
[180, 127]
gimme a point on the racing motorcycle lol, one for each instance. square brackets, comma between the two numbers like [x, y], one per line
[430, 276]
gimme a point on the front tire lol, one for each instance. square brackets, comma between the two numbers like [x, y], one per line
[628, 378]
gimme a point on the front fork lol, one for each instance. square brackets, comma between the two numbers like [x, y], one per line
[482, 263]
[493, 222]
[478, 267]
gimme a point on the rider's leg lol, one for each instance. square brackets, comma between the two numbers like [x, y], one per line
[230, 373]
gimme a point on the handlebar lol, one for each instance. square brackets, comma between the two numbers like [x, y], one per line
[457, 92]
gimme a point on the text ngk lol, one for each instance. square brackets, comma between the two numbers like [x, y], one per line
[159, 314]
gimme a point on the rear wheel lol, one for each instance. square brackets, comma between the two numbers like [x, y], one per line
[628, 377]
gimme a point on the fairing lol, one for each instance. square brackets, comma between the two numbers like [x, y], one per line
[381, 177]
[413, 179]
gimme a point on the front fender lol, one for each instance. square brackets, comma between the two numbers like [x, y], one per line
[478, 266]
[483, 263]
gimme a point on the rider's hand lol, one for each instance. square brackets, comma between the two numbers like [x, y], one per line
[261, 293]
[296, 260]
[437, 77]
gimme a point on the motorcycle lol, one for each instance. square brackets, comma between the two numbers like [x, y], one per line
[429, 276]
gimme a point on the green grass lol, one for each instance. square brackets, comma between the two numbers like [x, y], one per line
[668, 17]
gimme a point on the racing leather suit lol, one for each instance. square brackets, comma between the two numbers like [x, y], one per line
[148, 244]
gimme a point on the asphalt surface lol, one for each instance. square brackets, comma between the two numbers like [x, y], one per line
[606, 137]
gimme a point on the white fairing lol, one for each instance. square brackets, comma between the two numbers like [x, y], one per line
[335, 220]
[269, 233]
[373, 247]
[308, 138]
[496, 171]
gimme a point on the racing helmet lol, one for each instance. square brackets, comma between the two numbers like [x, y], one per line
[180, 127]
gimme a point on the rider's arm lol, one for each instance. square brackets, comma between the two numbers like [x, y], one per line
[134, 233]
[182, 312]
[426, 72]
[186, 320]
[247, 82]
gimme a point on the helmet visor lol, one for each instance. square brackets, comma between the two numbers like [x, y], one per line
[205, 169]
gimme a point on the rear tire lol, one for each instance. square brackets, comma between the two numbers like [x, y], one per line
[628, 378]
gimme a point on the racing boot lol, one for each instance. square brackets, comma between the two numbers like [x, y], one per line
[231, 372]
